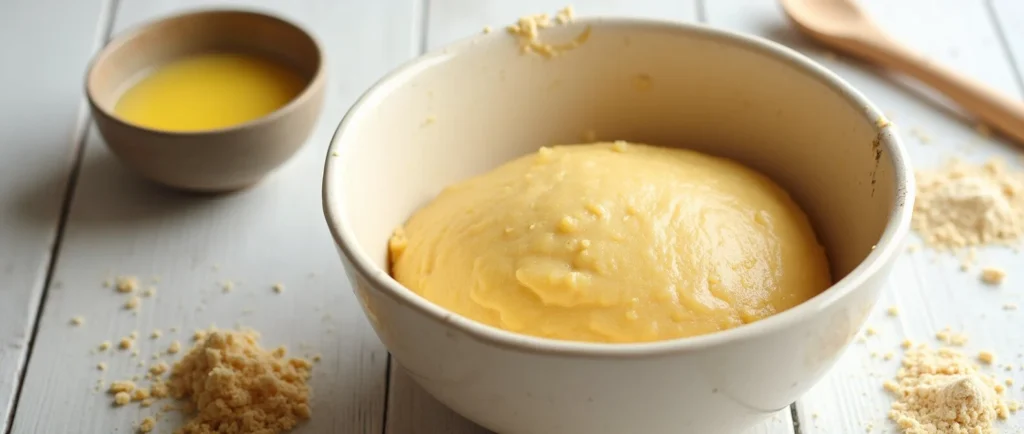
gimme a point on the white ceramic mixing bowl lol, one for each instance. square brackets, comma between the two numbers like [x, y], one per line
[467, 108]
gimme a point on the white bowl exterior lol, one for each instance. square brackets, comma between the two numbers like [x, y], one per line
[721, 389]
[467, 109]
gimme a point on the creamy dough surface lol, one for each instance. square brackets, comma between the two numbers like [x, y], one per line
[612, 242]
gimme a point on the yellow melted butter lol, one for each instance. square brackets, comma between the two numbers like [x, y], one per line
[612, 242]
[209, 91]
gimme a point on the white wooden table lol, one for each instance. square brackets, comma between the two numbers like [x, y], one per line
[71, 216]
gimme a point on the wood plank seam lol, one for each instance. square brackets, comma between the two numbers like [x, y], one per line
[387, 395]
[796, 418]
[701, 12]
[81, 134]
[1004, 43]
[424, 22]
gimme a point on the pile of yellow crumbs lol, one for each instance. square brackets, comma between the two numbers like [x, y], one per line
[963, 204]
[526, 30]
[231, 385]
[942, 391]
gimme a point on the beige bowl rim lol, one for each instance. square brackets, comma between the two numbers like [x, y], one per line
[127, 35]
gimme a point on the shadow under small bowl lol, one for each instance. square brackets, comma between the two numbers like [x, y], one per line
[217, 160]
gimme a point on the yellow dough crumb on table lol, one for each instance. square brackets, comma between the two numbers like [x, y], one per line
[612, 242]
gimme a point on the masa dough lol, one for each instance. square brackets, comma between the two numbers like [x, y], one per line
[612, 242]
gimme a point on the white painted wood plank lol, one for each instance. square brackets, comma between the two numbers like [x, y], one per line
[929, 290]
[451, 20]
[410, 409]
[274, 232]
[1009, 17]
[44, 46]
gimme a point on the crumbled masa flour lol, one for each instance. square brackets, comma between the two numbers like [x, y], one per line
[236, 386]
[526, 30]
[962, 204]
[942, 391]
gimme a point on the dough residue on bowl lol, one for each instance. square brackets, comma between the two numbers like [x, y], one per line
[527, 31]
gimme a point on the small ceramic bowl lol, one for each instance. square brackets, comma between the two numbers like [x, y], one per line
[216, 160]
[463, 110]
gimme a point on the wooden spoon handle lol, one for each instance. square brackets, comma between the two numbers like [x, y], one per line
[1002, 112]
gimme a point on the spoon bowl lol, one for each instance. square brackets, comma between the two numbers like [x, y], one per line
[832, 17]
[842, 24]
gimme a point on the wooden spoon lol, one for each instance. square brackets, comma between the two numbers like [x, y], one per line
[843, 25]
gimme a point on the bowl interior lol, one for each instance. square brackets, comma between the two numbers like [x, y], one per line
[134, 54]
[464, 110]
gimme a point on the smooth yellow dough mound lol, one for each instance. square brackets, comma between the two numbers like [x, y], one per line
[612, 242]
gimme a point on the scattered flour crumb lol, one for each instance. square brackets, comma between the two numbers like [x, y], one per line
[986, 357]
[893, 311]
[156, 334]
[228, 365]
[122, 398]
[101, 366]
[127, 284]
[159, 389]
[1010, 306]
[140, 393]
[122, 386]
[147, 425]
[125, 343]
[105, 345]
[77, 321]
[992, 275]
[149, 292]
[278, 288]
[227, 286]
[174, 347]
[132, 303]
[158, 369]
